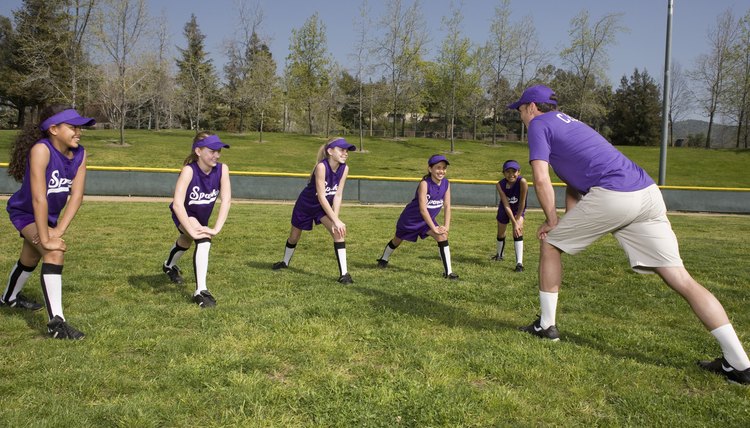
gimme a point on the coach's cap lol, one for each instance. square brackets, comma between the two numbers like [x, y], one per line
[69, 116]
[511, 164]
[436, 159]
[342, 143]
[212, 142]
[535, 94]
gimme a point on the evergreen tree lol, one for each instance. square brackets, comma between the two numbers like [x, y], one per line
[196, 76]
[635, 118]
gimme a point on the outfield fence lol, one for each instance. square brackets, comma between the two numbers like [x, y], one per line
[160, 182]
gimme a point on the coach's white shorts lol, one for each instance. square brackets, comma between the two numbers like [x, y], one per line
[638, 220]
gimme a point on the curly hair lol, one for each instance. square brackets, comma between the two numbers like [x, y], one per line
[193, 157]
[27, 137]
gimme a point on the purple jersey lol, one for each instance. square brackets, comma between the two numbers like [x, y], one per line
[410, 224]
[60, 174]
[581, 157]
[307, 208]
[201, 193]
[514, 200]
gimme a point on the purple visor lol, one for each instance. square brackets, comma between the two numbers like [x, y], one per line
[69, 116]
[212, 142]
[342, 143]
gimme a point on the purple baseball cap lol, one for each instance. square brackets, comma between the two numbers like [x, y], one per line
[535, 94]
[437, 158]
[69, 116]
[212, 142]
[342, 143]
[511, 164]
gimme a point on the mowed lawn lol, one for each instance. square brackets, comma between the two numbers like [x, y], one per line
[384, 157]
[399, 347]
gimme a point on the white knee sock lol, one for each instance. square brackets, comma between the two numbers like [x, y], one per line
[16, 280]
[731, 346]
[340, 249]
[548, 303]
[200, 263]
[174, 255]
[389, 249]
[52, 289]
[288, 252]
[518, 246]
[500, 247]
[445, 255]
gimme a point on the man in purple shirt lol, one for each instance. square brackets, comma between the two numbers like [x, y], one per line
[608, 193]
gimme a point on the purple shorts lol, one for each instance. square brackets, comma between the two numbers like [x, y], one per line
[23, 219]
[304, 220]
[502, 216]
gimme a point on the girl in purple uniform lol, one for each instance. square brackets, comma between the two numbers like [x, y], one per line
[512, 209]
[320, 202]
[51, 164]
[419, 217]
[201, 181]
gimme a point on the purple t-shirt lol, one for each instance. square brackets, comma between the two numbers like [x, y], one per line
[581, 157]
[201, 193]
[60, 174]
[411, 224]
[308, 198]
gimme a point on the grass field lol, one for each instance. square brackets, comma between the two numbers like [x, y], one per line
[472, 160]
[399, 347]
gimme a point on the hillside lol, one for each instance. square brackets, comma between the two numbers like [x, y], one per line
[723, 136]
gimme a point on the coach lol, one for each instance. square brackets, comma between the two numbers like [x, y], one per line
[608, 193]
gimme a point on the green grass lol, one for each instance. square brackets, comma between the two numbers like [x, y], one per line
[400, 347]
[472, 160]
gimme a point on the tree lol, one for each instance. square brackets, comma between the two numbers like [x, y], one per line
[196, 77]
[39, 60]
[710, 72]
[738, 98]
[635, 117]
[502, 50]
[262, 85]
[399, 54]
[454, 62]
[587, 59]
[361, 47]
[119, 25]
[307, 66]
[679, 98]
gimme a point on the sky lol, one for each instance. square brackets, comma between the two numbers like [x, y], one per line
[642, 46]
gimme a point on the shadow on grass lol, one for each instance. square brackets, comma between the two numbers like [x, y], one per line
[36, 320]
[622, 353]
[410, 304]
[157, 283]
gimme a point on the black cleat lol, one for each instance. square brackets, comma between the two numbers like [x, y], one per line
[279, 265]
[452, 276]
[382, 263]
[346, 279]
[204, 299]
[174, 273]
[536, 329]
[497, 258]
[23, 302]
[59, 329]
[519, 268]
[722, 367]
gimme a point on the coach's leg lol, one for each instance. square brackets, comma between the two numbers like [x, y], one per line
[550, 279]
[709, 310]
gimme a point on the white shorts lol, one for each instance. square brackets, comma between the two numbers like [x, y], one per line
[638, 220]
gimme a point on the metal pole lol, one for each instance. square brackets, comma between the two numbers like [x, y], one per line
[665, 99]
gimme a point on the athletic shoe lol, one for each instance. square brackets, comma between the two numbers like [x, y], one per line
[722, 367]
[279, 265]
[174, 273]
[497, 258]
[382, 263]
[452, 276]
[22, 302]
[204, 299]
[346, 279]
[519, 268]
[536, 329]
[59, 329]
